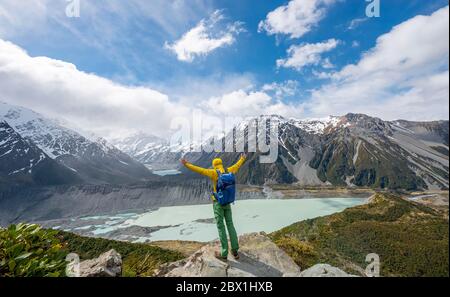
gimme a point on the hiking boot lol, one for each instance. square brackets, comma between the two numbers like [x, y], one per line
[220, 257]
[235, 255]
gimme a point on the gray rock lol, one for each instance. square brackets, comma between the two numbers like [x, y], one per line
[108, 264]
[324, 270]
[259, 257]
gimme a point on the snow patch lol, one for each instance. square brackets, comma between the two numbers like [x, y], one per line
[355, 157]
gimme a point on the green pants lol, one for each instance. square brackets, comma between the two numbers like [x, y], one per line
[221, 213]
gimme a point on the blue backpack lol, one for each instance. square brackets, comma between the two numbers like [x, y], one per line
[225, 188]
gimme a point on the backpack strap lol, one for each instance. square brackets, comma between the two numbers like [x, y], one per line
[217, 182]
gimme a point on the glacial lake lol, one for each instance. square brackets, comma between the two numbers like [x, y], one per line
[166, 172]
[195, 222]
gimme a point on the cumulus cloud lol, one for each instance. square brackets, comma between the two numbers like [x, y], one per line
[300, 56]
[59, 89]
[242, 103]
[404, 76]
[296, 18]
[206, 37]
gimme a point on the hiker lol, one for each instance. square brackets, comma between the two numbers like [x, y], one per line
[221, 212]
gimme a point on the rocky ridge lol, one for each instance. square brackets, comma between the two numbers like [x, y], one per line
[259, 257]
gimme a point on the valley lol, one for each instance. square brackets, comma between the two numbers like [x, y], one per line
[409, 234]
[132, 192]
[196, 222]
[49, 171]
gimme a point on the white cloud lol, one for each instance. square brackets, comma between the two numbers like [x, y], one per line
[58, 89]
[404, 76]
[326, 63]
[300, 56]
[109, 28]
[356, 22]
[296, 18]
[282, 90]
[91, 103]
[355, 43]
[193, 89]
[322, 74]
[239, 102]
[242, 103]
[33, 17]
[204, 38]
[18, 17]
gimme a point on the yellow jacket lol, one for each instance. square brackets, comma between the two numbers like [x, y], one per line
[212, 173]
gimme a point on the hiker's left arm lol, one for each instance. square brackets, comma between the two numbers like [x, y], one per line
[235, 167]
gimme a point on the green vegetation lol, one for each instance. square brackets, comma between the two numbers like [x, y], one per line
[28, 250]
[139, 259]
[301, 252]
[411, 239]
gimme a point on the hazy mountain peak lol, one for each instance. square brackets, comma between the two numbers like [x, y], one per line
[95, 160]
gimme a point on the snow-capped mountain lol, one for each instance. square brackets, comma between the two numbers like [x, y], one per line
[157, 153]
[351, 150]
[154, 152]
[21, 161]
[94, 161]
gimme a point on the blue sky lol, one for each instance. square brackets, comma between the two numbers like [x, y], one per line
[253, 53]
[133, 44]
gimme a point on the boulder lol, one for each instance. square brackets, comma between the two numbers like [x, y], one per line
[324, 270]
[259, 257]
[108, 264]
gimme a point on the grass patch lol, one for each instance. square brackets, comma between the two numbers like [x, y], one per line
[303, 254]
[411, 239]
[139, 259]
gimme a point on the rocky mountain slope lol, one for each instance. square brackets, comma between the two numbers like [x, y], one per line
[354, 150]
[22, 162]
[44, 203]
[93, 161]
[152, 151]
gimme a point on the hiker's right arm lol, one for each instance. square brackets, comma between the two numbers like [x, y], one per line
[199, 170]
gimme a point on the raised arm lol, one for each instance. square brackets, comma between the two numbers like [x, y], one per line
[235, 168]
[197, 169]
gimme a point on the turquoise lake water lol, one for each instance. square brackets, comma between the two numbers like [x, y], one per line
[248, 216]
[166, 172]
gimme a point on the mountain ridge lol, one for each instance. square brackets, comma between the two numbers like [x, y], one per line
[22, 162]
[94, 161]
[354, 150]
